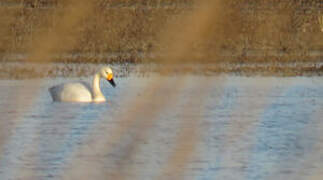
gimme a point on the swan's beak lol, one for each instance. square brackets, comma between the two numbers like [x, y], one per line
[111, 81]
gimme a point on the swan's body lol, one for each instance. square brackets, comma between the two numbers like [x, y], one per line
[82, 91]
[72, 92]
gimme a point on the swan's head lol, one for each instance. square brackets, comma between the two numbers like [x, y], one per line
[106, 72]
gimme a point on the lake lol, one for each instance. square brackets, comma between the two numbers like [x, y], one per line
[165, 127]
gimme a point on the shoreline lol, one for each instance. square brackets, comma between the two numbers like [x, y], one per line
[8, 70]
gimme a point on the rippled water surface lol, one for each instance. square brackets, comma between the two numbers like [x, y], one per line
[238, 128]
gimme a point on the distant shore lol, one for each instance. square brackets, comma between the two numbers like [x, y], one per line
[246, 38]
[19, 70]
[128, 30]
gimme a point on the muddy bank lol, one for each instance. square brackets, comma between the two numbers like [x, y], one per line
[18, 70]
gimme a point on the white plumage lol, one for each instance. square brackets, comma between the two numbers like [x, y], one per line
[82, 91]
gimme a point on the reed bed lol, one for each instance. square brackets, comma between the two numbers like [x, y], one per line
[129, 30]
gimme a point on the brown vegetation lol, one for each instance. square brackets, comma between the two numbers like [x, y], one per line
[128, 30]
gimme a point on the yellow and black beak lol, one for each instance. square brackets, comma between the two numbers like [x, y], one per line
[110, 79]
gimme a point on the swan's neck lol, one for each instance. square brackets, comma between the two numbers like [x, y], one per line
[97, 94]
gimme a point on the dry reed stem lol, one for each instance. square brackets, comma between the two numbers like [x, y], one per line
[29, 148]
[179, 40]
[144, 123]
[61, 39]
[4, 32]
[190, 133]
[195, 27]
[64, 37]
[320, 19]
[232, 136]
[179, 44]
[137, 120]
[241, 126]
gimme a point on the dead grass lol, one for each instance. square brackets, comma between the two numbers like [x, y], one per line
[132, 27]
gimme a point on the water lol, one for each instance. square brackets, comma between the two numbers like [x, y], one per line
[247, 128]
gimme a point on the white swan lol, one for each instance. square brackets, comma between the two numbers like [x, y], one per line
[82, 91]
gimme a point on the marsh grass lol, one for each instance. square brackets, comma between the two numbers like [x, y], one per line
[129, 29]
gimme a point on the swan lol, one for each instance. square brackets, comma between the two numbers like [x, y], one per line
[82, 91]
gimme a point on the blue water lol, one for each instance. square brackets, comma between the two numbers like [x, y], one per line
[248, 128]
